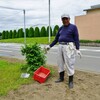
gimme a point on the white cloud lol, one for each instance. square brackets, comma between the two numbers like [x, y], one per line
[38, 14]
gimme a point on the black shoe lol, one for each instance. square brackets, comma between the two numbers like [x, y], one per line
[61, 77]
[70, 84]
[59, 80]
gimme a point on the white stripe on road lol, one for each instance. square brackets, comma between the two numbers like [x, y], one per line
[92, 50]
[10, 49]
[5, 51]
[90, 56]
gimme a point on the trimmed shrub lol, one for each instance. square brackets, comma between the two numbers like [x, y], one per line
[48, 31]
[36, 32]
[6, 34]
[21, 33]
[43, 32]
[86, 41]
[56, 28]
[3, 35]
[10, 34]
[0, 35]
[27, 31]
[17, 35]
[31, 32]
[14, 34]
[97, 41]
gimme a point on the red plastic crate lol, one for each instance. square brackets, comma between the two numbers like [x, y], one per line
[41, 74]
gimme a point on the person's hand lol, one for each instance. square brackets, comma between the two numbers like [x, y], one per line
[79, 53]
[46, 48]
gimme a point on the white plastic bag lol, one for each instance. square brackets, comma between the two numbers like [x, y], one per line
[25, 75]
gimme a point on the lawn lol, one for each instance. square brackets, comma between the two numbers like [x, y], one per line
[40, 40]
[10, 75]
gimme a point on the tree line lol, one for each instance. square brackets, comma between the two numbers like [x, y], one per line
[30, 32]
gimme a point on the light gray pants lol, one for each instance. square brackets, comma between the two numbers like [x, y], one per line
[66, 58]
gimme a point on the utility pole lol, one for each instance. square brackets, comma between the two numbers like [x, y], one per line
[49, 23]
[24, 27]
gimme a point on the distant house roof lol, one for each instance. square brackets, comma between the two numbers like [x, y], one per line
[93, 7]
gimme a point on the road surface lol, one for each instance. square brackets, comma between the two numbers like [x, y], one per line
[90, 60]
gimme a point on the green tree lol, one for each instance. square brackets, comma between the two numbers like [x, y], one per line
[6, 34]
[48, 31]
[31, 32]
[27, 31]
[3, 34]
[36, 32]
[56, 28]
[14, 34]
[17, 34]
[43, 32]
[10, 34]
[20, 33]
[0, 35]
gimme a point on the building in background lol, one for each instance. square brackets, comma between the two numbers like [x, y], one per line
[89, 24]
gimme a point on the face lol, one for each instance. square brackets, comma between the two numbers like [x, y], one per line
[65, 21]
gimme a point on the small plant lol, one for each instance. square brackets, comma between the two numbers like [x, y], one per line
[35, 57]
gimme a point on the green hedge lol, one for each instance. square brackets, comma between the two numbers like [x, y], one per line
[43, 32]
[3, 35]
[48, 31]
[14, 34]
[31, 32]
[56, 28]
[37, 32]
[10, 34]
[6, 34]
[21, 33]
[89, 41]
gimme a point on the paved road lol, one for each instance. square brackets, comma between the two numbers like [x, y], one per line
[11, 50]
[90, 60]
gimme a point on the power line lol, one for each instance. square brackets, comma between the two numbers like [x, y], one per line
[23, 16]
[10, 8]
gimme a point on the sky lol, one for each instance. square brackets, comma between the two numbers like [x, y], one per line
[37, 12]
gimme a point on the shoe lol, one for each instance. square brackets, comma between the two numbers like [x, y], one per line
[70, 84]
[59, 80]
[61, 77]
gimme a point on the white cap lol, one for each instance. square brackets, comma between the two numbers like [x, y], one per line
[65, 15]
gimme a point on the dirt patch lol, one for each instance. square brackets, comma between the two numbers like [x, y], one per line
[86, 87]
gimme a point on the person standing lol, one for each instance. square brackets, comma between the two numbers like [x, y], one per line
[68, 39]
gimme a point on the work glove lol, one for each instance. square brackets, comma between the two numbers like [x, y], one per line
[46, 48]
[79, 53]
